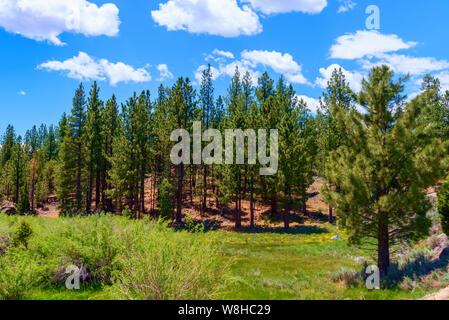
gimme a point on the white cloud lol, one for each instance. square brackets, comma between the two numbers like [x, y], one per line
[312, 103]
[216, 17]
[199, 73]
[444, 79]
[367, 43]
[284, 6]
[354, 78]
[219, 56]
[22, 93]
[250, 61]
[46, 19]
[346, 5]
[280, 63]
[228, 69]
[406, 64]
[225, 54]
[84, 67]
[164, 73]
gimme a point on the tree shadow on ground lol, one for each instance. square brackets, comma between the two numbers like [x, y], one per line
[419, 267]
[304, 230]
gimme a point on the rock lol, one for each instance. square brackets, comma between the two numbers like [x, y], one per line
[336, 238]
[9, 209]
[359, 259]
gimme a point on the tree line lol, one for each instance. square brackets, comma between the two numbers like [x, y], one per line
[376, 150]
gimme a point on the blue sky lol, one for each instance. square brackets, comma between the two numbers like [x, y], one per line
[49, 46]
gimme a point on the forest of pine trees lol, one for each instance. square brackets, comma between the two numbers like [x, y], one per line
[105, 155]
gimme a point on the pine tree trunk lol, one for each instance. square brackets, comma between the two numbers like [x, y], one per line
[274, 205]
[33, 182]
[237, 213]
[331, 213]
[287, 215]
[179, 193]
[142, 190]
[383, 250]
[204, 205]
[251, 202]
[97, 190]
[89, 192]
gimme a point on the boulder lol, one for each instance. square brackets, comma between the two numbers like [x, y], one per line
[336, 238]
[9, 209]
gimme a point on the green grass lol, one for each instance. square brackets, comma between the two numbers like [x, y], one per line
[274, 266]
[264, 265]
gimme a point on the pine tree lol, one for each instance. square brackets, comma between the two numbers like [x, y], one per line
[206, 107]
[72, 158]
[182, 109]
[94, 143]
[111, 127]
[390, 159]
[332, 133]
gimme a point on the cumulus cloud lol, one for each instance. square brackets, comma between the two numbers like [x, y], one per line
[45, 20]
[284, 6]
[250, 61]
[84, 67]
[346, 5]
[280, 63]
[367, 43]
[406, 64]
[164, 73]
[228, 70]
[444, 79]
[354, 78]
[216, 17]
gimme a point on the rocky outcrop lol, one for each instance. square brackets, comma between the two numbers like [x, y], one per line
[9, 209]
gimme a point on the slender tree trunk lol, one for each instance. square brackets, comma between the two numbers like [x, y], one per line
[142, 190]
[274, 205]
[179, 193]
[237, 212]
[33, 183]
[89, 192]
[383, 249]
[251, 202]
[97, 190]
[78, 180]
[287, 215]
[331, 213]
[204, 205]
[16, 197]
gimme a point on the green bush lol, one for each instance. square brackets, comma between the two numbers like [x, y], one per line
[165, 200]
[22, 235]
[166, 265]
[19, 272]
[139, 259]
[443, 207]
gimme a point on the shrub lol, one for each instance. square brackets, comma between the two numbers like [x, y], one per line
[165, 200]
[19, 271]
[22, 235]
[443, 207]
[168, 266]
